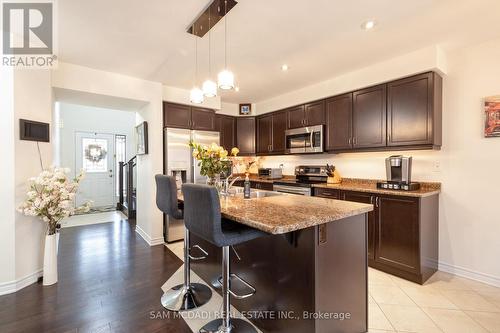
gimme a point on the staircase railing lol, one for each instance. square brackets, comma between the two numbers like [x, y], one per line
[127, 188]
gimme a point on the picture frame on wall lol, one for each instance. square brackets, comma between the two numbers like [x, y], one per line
[141, 132]
[245, 109]
[492, 117]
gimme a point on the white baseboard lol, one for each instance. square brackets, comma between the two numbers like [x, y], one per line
[469, 274]
[147, 238]
[16, 285]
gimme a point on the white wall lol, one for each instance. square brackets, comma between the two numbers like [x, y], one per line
[29, 231]
[79, 118]
[7, 190]
[467, 166]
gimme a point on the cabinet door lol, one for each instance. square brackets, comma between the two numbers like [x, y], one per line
[264, 134]
[218, 124]
[366, 198]
[278, 132]
[315, 113]
[228, 140]
[369, 117]
[202, 119]
[176, 115]
[296, 117]
[410, 111]
[245, 135]
[339, 122]
[397, 231]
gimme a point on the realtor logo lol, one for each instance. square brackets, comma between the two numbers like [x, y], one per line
[28, 34]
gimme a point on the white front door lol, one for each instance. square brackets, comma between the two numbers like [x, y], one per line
[95, 154]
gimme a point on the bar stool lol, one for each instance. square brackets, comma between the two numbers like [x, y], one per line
[188, 295]
[202, 217]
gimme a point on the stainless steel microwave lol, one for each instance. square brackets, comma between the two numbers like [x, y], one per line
[304, 140]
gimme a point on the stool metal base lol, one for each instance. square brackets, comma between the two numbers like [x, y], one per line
[180, 298]
[237, 326]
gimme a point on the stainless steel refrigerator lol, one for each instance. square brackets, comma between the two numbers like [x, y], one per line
[179, 162]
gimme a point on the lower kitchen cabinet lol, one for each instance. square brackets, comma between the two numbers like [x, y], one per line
[403, 233]
[366, 198]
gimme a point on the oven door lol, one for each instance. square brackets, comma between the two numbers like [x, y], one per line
[304, 140]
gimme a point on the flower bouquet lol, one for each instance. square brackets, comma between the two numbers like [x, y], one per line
[213, 160]
[50, 197]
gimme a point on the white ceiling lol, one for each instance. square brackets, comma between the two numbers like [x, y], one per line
[318, 39]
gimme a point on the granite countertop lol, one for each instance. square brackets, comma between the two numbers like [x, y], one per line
[364, 185]
[369, 185]
[286, 213]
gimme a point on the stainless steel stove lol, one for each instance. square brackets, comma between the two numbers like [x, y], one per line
[305, 177]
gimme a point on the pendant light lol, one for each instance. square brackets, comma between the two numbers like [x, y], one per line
[226, 77]
[209, 87]
[196, 95]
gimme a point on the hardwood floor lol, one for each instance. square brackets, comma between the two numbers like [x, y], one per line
[109, 281]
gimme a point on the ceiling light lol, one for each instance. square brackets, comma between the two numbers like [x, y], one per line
[209, 88]
[284, 67]
[226, 80]
[196, 96]
[368, 25]
[236, 88]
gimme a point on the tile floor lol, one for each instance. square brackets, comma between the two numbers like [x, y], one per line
[93, 218]
[445, 304]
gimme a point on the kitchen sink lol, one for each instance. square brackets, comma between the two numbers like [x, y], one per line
[238, 192]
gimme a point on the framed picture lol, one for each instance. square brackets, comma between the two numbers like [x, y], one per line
[141, 136]
[492, 117]
[245, 109]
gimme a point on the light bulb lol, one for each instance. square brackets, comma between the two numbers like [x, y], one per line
[196, 95]
[226, 80]
[209, 88]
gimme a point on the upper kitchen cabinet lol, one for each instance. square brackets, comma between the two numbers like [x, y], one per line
[226, 126]
[176, 115]
[202, 119]
[339, 122]
[310, 114]
[245, 135]
[271, 133]
[296, 117]
[414, 111]
[369, 117]
[315, 113]
[184, 116]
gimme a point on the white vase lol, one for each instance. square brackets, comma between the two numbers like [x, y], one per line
[50, 260]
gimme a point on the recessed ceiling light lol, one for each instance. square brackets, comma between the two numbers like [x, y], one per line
[284, 67]
[368, 25]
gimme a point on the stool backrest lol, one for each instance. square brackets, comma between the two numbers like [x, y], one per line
[202, 211]
[166, 196]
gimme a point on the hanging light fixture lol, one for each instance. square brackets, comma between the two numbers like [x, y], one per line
[196, 95]
[225, 77]
[209, 87]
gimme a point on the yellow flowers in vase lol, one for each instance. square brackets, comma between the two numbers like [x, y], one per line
[213, 160]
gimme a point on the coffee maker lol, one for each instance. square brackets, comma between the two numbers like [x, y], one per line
[398, 172]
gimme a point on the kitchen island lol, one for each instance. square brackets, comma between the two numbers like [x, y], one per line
[310, 272]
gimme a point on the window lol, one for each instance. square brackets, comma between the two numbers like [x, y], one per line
[121, 156]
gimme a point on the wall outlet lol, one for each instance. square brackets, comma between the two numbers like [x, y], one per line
[436, 167]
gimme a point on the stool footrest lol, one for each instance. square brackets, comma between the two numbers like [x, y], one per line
[235, 277]
[204, 256]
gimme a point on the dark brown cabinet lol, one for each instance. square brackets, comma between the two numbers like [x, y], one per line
[183, 116]
[339, 122]
[369, 117]
[271, 133]
[202, 119]
[310, 114]
[414, 111]
[176, 115]
[403, 232]
[226, 126]
[398, 232]
[245, 135]
[367, 198]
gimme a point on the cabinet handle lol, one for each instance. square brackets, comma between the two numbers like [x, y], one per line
[376, 201]
[388, 137]
[349, 141]
[355, 141]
